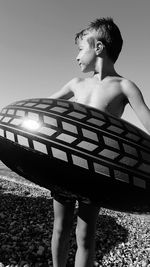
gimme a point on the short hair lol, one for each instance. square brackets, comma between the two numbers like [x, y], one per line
[108, 33]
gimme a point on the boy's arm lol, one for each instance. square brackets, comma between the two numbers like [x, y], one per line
[137, 102]
[66, 92]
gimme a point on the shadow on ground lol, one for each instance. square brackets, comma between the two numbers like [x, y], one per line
[26, 229]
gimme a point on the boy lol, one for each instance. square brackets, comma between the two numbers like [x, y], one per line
[99, 47]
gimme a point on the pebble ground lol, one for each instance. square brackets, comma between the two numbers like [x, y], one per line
[26, 220]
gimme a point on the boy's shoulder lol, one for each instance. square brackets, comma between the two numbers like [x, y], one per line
[126, 82]
[130, 89]
[76, 81]
[128, 85]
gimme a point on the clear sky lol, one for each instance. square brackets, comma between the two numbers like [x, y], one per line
[37, 50]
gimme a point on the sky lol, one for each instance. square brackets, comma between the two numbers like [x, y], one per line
[38, 54]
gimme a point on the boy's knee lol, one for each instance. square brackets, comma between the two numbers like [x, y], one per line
[60, 235]
[83, 238]
[60, 230]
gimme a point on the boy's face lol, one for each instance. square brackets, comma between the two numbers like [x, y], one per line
[87, 55]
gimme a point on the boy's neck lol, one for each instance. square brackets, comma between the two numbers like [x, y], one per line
[104, 68]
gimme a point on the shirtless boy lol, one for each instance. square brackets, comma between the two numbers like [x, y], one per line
[99, 47]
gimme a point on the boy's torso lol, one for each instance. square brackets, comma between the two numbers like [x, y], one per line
[104, 95]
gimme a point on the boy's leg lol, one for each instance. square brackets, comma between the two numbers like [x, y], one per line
[63, 220]
[85, 234]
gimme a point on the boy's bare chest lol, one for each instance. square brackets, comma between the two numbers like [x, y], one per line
[106, 97]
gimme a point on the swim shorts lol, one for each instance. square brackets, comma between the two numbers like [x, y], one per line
[65, 197]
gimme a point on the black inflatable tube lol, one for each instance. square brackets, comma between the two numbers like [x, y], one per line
[78, 149]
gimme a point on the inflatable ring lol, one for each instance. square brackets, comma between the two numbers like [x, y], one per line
[81, 150]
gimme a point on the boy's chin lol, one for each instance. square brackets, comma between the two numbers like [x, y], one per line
[84, 70]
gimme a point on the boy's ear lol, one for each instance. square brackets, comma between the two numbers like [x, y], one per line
[99, 47]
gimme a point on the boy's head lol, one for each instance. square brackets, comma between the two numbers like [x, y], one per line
[106, 31]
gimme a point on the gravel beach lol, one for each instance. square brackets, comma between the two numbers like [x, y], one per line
[26, 220]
